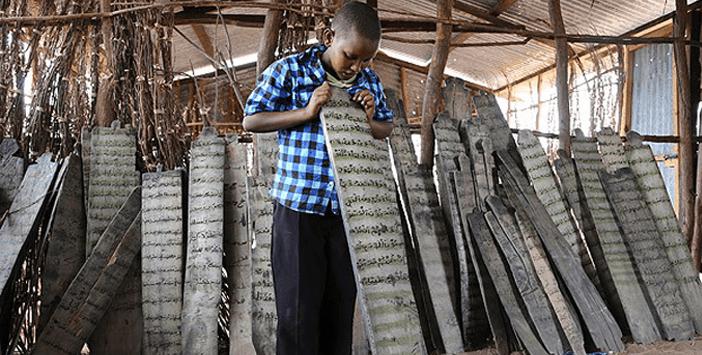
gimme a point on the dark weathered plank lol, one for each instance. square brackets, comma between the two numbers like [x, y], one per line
[509, 240]
[162, 261]
[462, 180]
[428, 226]
[11, 173]
[405, 159]
[8, 148]
[601, 326]
[369, 208]
[85, 161]
[609, 243]
[112, 176]
[561, 306]
[237, 250]
[66, 238]
[456, 98]
[89, 295]
[499, 326]
[500, 278]
[490, 115]
[652, 187]
[21, 219]
[544, 182]
[264, 317]
[449, 147]
[477, 141]
[203, 269]
[645, 245]
[266, 153]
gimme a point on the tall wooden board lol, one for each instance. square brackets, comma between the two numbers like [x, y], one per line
[509, 240]
[369, 207]
[566, 316]
[428, 226]
[113, 174]
[600, 324]
[500, 278]
[650, 182]
[237, 250]
[88, 297]
[162, 261]
[203, 268]
[499, 326]
[22, 217]
[651, 261]
[66, 238]
[264, 317]
[544, 182]
[610, 244]
[449, 147]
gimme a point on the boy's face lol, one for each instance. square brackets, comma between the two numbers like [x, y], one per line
[347, 54]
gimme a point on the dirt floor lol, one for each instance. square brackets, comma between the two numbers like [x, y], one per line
[692, 347]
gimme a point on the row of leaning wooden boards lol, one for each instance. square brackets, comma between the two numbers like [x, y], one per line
[523, 231]
[376, 236]
[98, 290]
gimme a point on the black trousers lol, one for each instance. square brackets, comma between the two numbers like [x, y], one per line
[315, 289]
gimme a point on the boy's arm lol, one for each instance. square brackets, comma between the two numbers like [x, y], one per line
[266, 108]
[272, 121]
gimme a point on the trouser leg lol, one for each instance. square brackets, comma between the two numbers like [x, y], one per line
[339, 298]
[299, 272]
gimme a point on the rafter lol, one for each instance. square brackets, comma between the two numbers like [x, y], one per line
[203, 38]
[484, 15]
[496, 10]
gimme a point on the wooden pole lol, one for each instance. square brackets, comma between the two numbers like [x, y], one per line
[686, 123]
[554, 7]
[432, 86]
[269, 38]
[104, 108]
[695, 78]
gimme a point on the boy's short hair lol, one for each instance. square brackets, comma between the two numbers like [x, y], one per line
[357, 17]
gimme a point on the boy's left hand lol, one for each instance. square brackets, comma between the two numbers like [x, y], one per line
[365, 98]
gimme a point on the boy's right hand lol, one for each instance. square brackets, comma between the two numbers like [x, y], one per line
[319, 98]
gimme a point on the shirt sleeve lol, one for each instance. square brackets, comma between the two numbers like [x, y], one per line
[382, 112]
[272, 92]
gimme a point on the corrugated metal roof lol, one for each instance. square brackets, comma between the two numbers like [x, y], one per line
[492, 67]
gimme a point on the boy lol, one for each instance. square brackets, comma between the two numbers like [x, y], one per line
[315, 288]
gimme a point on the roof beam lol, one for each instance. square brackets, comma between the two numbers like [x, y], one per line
[203, 38]
[484, 15]
[496, 10]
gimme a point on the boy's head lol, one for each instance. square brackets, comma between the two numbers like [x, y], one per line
[353, 39]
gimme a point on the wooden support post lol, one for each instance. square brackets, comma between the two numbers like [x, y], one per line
[432, 86]
[554, 7]
[695, 77]
[627, 88]
[269, 39]
[686, 123]
[404, 86]
[539, 84]
[104, 112]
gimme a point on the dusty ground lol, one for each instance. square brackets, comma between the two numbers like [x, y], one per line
[692, 347]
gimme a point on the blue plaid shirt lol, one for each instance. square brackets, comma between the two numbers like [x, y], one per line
[304, 179]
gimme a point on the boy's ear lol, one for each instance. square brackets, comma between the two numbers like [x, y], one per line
[327, 36]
